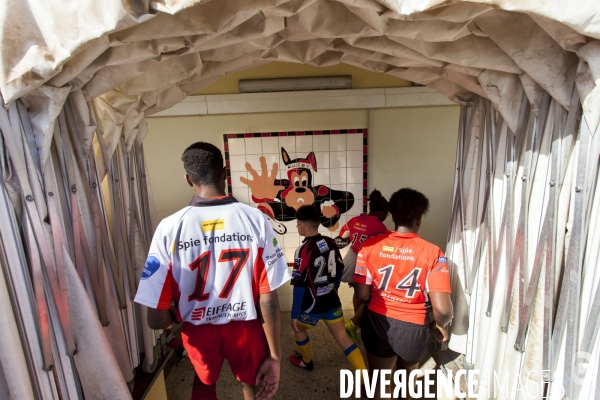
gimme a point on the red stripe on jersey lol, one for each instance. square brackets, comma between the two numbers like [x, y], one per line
[343, 230]
[166, 295]
[260, 281]
[305, 263]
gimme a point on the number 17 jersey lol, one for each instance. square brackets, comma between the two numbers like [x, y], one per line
[402, 269]
[213, 258]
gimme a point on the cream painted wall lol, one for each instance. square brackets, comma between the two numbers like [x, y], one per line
[407, 147]
[361, 78]
[416, 147]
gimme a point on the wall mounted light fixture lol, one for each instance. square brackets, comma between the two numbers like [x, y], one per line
[295, 84]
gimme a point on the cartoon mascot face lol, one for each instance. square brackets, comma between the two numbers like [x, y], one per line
[280, 198]
[300, 175]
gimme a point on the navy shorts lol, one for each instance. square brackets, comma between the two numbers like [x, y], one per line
[310, 320]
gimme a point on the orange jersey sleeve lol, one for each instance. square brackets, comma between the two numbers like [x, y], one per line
[439, 276]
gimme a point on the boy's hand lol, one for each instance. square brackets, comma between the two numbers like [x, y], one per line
[268, 373]
[294, 324]
[439, 333]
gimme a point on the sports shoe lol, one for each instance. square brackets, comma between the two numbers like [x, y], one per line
[352, 331]
[296, 359]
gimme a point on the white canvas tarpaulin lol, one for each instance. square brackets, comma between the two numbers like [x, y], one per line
[78, 78]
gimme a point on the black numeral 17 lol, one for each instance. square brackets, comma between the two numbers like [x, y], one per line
[202, 264]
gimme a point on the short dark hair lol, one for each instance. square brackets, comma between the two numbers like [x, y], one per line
[203, 162]
[377, 202]
[407, 205]
[310, 214]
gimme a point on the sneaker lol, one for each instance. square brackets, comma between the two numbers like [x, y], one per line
[296, 359]
[352, 331]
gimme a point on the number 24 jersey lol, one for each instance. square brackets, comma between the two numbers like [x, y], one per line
[213, 258]
[402, 269]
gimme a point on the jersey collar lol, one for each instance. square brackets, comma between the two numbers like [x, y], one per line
[198, 201]
[316, 237]
[405, 235]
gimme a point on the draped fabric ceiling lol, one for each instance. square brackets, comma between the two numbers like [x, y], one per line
[118, 61]
[135, 58]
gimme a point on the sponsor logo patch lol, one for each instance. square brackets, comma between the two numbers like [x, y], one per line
[442, 268]
[325, 289]
[213, 225]
[307, 319]
[442, 260]
[227, 310]
[322, 246]
[152, 265]
[275, 242]
[387, 248]
[198, 313]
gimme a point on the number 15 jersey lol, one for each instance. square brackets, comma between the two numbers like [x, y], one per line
[402, 269]
[213, 258]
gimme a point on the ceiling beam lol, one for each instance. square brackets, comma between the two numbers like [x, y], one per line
[319, 100]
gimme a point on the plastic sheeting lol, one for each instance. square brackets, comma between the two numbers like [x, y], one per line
[523, 251]
[136, 58]
[79, 79]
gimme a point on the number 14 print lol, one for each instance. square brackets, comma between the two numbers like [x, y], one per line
[410, 282]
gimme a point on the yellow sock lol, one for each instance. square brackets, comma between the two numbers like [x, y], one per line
[304, 349]
[355, 358]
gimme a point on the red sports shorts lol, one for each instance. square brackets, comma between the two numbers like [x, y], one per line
[242, 343]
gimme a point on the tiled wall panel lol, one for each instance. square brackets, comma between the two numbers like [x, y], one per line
[335, 163]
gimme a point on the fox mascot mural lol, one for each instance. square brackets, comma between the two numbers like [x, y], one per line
[279, 198]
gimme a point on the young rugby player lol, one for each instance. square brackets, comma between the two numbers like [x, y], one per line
[220, 262]
[402, 276]
[357, 230]
[316, 277]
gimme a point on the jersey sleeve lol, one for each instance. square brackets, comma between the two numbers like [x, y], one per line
[438, 279]
[271, 270]
[361, 271]
[345, 228]
[155, 289]
[300, 270]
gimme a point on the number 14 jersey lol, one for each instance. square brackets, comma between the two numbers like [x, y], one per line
[402, 269]
[213, 258]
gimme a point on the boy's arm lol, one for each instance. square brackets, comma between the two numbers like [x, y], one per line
[269, 369]
[161, 319]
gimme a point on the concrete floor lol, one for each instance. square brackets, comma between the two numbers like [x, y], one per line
[322, 383]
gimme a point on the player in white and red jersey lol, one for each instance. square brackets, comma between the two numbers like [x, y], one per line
[357, 230]
[402, 276]
[219, 261]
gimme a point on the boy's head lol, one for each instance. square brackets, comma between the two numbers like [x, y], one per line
[378, 205]
[308, 219]
[203, 164]
[407, 207]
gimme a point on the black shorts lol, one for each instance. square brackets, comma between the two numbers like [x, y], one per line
[387, 337]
